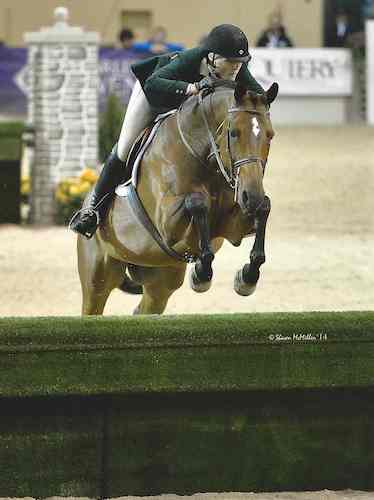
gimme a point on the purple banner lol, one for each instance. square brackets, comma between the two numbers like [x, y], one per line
[13, 99]
[115, 77]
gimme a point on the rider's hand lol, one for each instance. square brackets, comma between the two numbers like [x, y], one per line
[207, 82]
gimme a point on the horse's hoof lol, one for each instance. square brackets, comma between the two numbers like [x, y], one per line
[241, 287]
[196, 285]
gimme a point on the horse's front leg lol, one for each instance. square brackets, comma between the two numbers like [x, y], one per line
[246, 278]
[201, 275]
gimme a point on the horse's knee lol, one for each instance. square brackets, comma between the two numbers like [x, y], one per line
[264, 210]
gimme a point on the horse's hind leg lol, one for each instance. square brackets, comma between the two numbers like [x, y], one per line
[99, 275]
[158, 285]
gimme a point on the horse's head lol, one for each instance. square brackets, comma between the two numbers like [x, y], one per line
[244, 144]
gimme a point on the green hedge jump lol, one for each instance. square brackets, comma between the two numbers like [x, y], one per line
[109, 406]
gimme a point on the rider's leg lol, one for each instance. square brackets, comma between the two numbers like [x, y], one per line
[138, 116]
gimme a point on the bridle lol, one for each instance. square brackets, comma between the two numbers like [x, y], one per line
[238, 164]
[233, 177]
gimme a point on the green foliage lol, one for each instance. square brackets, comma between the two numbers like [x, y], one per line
[13, 129]
[110, 125]
[10, 140]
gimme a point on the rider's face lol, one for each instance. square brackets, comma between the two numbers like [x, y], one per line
[227, 68]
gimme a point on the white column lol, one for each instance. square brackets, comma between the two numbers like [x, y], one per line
[63, 108]
[370, 71]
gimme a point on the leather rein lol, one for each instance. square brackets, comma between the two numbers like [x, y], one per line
[233, 177]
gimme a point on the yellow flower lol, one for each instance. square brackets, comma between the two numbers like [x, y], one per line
[62, 198]
[85, 187]
[70, 180]
[61, 193]
[74, 190]
[88, 175]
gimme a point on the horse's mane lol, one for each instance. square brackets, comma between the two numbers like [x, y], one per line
[238, 87]
[220, 82]
[217, 86]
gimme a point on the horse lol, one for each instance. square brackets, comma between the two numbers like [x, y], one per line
[200, 182]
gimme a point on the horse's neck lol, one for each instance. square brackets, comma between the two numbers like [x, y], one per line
[219, 104]
[194, 128]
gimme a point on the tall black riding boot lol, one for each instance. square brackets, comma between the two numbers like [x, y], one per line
[87, 220]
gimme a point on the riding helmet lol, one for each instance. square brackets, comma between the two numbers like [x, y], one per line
[228, 41]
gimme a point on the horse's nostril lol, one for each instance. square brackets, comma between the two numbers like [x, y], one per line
[245, 198]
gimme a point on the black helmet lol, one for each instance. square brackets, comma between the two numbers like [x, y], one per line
[228, 41]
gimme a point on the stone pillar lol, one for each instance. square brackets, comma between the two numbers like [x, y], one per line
[63, 108]
[370, 71]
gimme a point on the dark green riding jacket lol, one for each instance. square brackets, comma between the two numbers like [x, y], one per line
[165, 78]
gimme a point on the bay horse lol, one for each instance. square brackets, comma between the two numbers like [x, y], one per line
[200, 182]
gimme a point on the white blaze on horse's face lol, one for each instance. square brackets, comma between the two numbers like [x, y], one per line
[255, 126]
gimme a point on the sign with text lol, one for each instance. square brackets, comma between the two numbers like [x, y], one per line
[304, 72]
[299, 72]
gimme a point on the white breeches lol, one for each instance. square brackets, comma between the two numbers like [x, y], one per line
[138, 116]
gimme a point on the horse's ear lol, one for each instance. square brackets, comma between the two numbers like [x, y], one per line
[272, 93]
[240, 91]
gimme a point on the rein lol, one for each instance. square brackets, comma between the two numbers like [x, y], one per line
[213, 144]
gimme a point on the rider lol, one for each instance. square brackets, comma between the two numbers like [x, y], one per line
[163, 83]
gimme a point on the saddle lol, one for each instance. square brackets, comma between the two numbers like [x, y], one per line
[139, 147]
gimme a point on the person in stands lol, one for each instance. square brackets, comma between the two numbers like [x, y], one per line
[340, 31]
[157, 43]
[126, 38]
[275, 36]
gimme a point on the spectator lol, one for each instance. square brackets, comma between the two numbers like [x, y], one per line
[126, 38]
[157, 43]
[341, 30]
[275, 35]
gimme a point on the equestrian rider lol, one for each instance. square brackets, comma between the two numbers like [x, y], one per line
[163, 83]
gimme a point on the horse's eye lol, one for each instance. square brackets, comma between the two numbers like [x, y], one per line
[235, 133]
